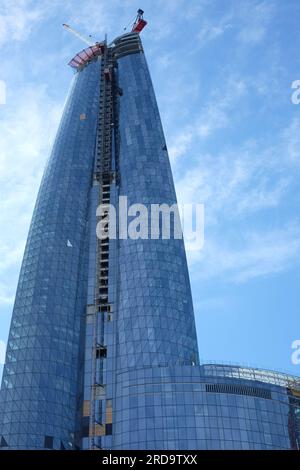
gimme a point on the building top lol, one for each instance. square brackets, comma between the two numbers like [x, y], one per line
[128, 43]
[251, 373]
[208, 371]
[87, 55]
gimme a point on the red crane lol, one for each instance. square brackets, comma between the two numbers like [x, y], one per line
[139, 22]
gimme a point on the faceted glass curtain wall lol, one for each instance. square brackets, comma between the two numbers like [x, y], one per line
[39, 397]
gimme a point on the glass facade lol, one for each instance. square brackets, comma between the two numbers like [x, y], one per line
[102, 350]
[39, 395]
[155, 311]
[205, 408]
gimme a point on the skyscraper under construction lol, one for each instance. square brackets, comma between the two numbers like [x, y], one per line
[102, 351]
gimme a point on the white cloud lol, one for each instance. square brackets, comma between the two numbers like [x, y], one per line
[164, 61]
[18, 18]
[291, 143]
[216, 114]
[255, 17]
[2, 352]
[97, 17]
[94, 18]
[262, 196]
[7, 299]
[212, 30]
[249, 255]
[164, 17]
[211, 304]
[235, 185]
[28, 126]
[180, 143]
[249, 20]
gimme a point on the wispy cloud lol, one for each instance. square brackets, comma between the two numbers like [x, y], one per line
[24, 146]
[214, 29]
[2, 352]
[248, 21]
[291, 142]
[210, 304]
[249, 255]
[164, 16]
[7, 292]
[254, 17]
[216, 113]
[235, 185]
[94, 18]
[18, 18]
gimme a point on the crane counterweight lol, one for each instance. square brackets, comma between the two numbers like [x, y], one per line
[139, 22]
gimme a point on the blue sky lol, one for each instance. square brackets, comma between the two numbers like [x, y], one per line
[222, 71]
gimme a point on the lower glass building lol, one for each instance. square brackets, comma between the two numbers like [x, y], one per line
[208, 407]
[102, 351]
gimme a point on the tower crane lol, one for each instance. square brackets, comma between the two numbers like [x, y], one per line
[90, 42]
[139, 22]
[138, 25]
[96, 48]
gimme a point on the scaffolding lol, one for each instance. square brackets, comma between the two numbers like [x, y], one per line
[100, 404]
